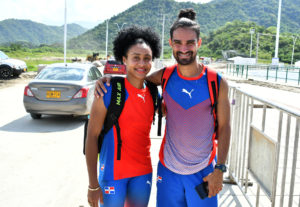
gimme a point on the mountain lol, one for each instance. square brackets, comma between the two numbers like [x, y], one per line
[13, 30]
[235, 39]
[210, 16]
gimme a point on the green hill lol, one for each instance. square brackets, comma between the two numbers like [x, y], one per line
[211, 16]
[235, 36]
[13, 30]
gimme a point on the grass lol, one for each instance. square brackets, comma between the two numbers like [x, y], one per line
[32, 64]
[45, 55]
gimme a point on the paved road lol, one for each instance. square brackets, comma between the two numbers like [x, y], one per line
[41, 160]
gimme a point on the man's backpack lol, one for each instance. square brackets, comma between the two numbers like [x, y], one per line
[115, 108]
[213, 86]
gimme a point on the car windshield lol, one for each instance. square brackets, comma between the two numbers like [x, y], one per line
[57, 73]
[3, 56]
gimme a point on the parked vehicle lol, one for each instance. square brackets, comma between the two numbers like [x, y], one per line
[62, 89]
[11, 67]
[114, 67]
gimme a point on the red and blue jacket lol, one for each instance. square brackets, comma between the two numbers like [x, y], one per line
[135, 124]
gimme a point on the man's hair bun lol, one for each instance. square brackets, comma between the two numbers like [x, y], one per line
[187, 13]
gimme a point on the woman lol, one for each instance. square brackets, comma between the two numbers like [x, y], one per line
[126, 180]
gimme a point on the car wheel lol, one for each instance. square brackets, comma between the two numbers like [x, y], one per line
[5, 72]
[35, 116]
[17, 73]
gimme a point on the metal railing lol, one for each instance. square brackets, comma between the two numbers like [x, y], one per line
[264, 150]
[284, 74]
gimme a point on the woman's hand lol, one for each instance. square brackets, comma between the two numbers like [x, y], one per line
[100, 87]
[94, 197]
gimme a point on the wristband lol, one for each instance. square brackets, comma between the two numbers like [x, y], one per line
[93, 189]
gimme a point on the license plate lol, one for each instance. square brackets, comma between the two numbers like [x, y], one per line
[115, 69]
[53, 94]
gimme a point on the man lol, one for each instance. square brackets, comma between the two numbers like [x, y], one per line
[186, 154]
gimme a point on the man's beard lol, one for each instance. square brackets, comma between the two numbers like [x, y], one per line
[185, 61]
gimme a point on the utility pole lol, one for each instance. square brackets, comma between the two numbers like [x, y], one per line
[106, 38]
[294, 42]
[162, 38]
[278, 30]
[252, 31]
[65, 34]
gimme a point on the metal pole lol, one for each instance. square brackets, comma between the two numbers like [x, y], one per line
[296, 141]
[106, 38]
[294, 42]
[257, 45]
[278, 29]
[251, 32]
[162, 38]
[65, 34]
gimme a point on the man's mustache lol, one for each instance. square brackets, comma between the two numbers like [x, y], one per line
[189, 52]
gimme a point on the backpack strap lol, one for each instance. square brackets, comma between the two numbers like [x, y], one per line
[156, 104]
[166, 75]
[85, 134]
[212, 80]
[213, 86]
[114, 111]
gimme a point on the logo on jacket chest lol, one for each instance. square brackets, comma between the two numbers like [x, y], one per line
[189, 93]
[142, 96]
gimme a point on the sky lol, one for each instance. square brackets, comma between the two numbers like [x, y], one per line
[87, 13]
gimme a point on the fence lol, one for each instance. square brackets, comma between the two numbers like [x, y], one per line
[264, 150]
[266, 72]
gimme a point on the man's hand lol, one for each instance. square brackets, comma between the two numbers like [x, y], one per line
[94, 197]
[215, 182]
[99, 85]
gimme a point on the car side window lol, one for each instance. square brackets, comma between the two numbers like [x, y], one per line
[91, 75]
[97, 72]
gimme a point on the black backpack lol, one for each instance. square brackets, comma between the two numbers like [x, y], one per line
[115, 108]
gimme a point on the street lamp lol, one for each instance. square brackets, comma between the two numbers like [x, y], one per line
[65, 34]
[162, 37]
[252, 31]
[294, 42]
[121, 26]
[106, 37]
[257, 45]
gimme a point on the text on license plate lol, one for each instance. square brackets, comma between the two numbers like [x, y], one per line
[53, 94]
[115, 69]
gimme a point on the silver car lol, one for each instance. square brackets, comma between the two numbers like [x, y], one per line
[61, 89]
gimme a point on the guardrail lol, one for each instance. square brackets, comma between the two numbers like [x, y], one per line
[264, 150]
[266, 72]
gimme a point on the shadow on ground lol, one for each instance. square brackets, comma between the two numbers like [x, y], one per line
[47, 123]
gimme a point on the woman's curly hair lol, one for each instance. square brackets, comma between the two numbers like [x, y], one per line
[133, 35]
